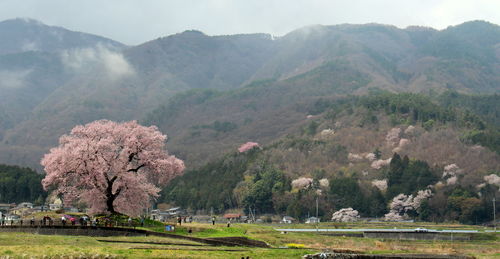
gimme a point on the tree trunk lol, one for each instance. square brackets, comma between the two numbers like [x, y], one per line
[110, 198]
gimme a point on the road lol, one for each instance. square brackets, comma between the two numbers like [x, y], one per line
[342, 230]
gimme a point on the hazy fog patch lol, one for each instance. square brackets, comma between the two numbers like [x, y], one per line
[56, 34]
[13, 78]
[30, 46]
[99, 58]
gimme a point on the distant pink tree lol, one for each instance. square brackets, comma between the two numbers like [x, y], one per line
[111, 167]
[345, 215]
[302, 183]
[393, 136]
[247, 146]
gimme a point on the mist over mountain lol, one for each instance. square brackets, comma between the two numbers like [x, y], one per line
[24, 34]
[52, 79]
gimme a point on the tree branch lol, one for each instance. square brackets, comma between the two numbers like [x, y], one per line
[131, 156]
[117, 192]
[136, 169]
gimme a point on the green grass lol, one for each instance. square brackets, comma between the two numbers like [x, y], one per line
[22, 244]
[290, 245]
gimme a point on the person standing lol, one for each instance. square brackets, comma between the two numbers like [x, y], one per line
[63, 221]
[213, 220]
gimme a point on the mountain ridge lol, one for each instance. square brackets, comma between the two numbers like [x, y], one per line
[24, 34]
[83, 84]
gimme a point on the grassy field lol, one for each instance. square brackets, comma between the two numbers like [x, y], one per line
[19, 245]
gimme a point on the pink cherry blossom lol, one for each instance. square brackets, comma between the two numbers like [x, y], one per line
[110, 166]
[247, 146]
[345, 215]
[380, 184]
[377, 164]
[354, 157]
[302, 183]
[324, 183]
[392, 136]
[492, 179]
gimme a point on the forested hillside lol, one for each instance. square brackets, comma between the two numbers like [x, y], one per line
[19, 184]
[58, 79]
[406, 119]
[366, 152]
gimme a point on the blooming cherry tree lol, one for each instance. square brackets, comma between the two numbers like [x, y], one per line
[492, 179]
[302, 183]
[354, 157]
[111, 167]
[247, 146]
[420, 197]
[393, 136]
[371, 157]
[380, 184]
[402, 204]
[377, 164]
[324, 183]
[345, 215]
[451, 173]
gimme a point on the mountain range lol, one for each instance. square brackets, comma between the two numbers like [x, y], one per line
[212, 93]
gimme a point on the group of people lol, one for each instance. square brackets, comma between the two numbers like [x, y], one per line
[71, 219]
[48, 221]
[3, 222]
[187, 219]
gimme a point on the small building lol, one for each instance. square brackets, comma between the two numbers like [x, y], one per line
[5, 207]
[71, 209]
[287, 220]
[12, 217]
[159, 215]
[233, 216]
[41, 208]
[174, 212]
[25, 205]
[55, 206]
[312, 220]
[21, 211]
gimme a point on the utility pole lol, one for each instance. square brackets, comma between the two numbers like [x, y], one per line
[494, 215]
[316, 206]
[317, 218]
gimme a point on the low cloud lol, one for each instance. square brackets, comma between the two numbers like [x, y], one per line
[30, 46]
[13, 79]
[100, 58]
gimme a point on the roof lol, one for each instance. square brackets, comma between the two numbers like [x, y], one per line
[232, 215]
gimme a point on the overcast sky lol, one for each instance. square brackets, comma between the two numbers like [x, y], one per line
[136, 21]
